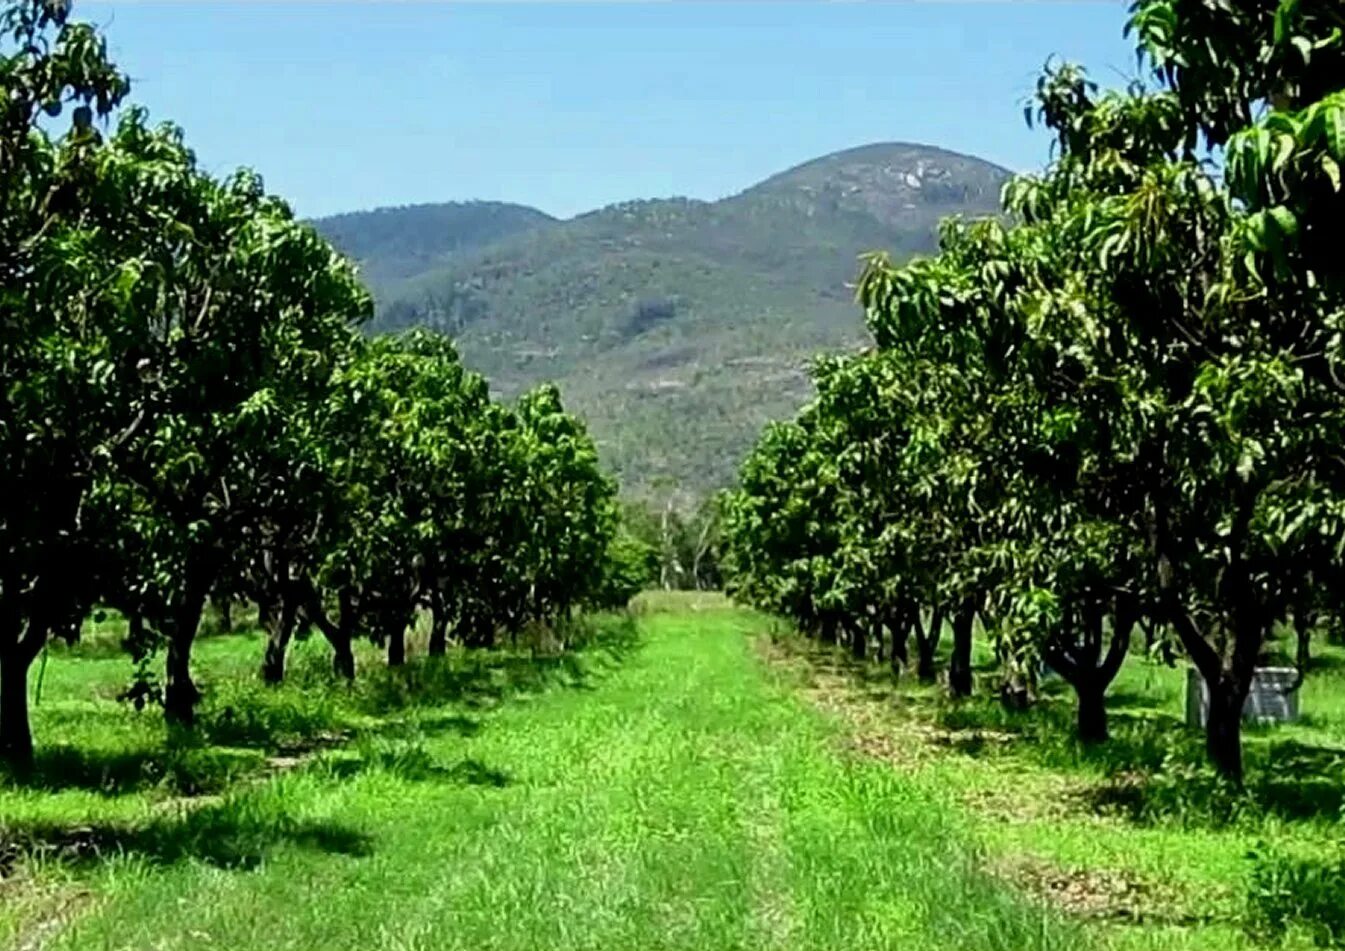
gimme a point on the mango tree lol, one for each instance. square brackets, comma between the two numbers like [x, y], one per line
[252, 311]
[61, 300]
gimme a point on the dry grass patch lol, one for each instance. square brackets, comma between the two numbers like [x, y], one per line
[1113, 894]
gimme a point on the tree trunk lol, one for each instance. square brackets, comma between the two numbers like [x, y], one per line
[397, 647]
[1303, 624]
[899, 626]
[925, 670]
[702, 547]
[438, 628]
[339, 635]
[1223, 731]
[1015, 692]
[225, 607]
[265, 609]
[343, 639]
[180, 694]
[16, 736]
[927, 644]
[135, 632]
[278, 639]
[343, 660]
[959, 664]
[1092, 714]
[859, 640]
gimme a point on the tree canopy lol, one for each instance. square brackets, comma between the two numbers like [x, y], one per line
[189, 411]
[1119, 404]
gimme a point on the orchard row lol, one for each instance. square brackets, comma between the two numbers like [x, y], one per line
[1118, 408]
[189, 412]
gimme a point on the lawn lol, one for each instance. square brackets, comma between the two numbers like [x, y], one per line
[660, 788]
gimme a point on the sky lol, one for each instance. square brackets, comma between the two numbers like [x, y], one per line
[567, 108]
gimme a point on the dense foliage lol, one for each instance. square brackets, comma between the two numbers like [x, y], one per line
[188, 412]
[1124, 408]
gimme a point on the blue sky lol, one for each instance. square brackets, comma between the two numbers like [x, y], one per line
[567, 108]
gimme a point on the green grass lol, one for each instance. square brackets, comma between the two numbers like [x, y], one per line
[664, 786]
[660, 788]
[1137, 836]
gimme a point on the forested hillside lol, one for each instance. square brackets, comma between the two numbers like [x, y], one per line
[676, 327]
[391, 244]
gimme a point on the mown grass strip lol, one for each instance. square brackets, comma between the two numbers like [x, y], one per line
[680, 800]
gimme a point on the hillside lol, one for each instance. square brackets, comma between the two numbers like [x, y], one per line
[392, 244]
[678, 327]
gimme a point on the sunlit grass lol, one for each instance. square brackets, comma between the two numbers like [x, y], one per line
[656, 790]
[1137, 836]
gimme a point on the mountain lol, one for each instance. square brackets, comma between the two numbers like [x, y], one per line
[677, 327]
[391, 244]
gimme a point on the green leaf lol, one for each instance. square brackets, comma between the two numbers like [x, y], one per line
[1284, 150]
[1332, 170]
[1256, 232]
[1285, 220]
[1284, 19]
[1334, 126]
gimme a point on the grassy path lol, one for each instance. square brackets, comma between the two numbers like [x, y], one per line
[680, 800]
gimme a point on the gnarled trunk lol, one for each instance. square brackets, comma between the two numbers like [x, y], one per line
[339, 635]
[1075, 653]
[397, 646]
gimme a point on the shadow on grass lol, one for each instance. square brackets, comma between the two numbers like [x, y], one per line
[1152, 770]
[417, 767]
[1124, 698]
[310, 715]
[235, 834]
[1326, 663]
[1299, 892]
[314, 712]
[192, 770]
[240, 830]
[480, 679]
